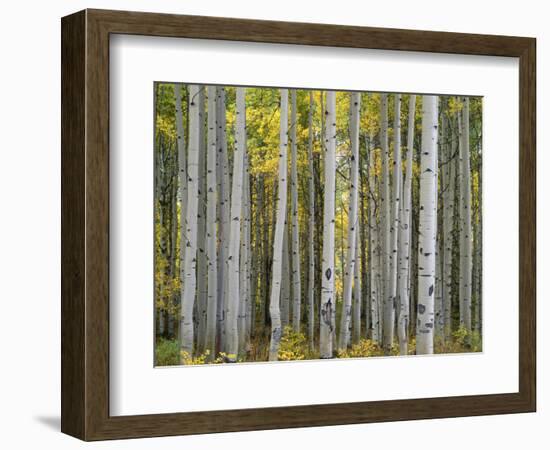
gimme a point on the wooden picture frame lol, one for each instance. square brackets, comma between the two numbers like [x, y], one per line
[85, 224]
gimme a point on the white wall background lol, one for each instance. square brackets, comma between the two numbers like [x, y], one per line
[30, 221]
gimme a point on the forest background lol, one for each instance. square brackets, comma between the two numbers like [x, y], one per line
[383, 198]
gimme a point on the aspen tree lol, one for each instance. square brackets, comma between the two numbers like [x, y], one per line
[247, 249]
[256, 258]
[163, 244]
[404, 237]
[190, 236]
[391, 293]
[286, 288]
[357, 296]
[327, 326]
[182, 179]
[296, 273]
[202, 269]
[448, 174]
[385, 234]
[243, 324]
[311, 227]
[345, 323]
[274, 304]
[466, 219]
[223, 219]
[211, 223]
[427, 227]
[375, 269]
[233, 254]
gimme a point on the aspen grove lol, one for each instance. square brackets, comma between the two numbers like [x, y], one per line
[297, 224]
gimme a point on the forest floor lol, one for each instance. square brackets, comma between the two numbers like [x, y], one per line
[295, 347]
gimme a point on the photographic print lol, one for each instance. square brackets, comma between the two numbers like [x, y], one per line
[299, 224]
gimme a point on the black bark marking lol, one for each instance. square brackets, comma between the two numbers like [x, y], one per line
[431, 290]
[328, 273]
[421, 308]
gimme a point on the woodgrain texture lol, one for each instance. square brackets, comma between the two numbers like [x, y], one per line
[85, 224]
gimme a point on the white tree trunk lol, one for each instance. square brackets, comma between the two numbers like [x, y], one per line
[202, 268]
[247, 250]
[182, 161]
[404, 238]
[224, 222]
[438, 305]
[391, 294]
[256, 258]
[311, 228]
[173, 242]
[274, 308]
[189, 267]
[244, 300]
[427, 227]
[345, 323]
[233, 254]
[448, 174]
[357, 297]
[182, 184]
[286, 289]
[477, 319]
[374, 248]
[385, 225]
[161, 187]
[211, 224]
[466, 219]
[327, 326]
[296, 272]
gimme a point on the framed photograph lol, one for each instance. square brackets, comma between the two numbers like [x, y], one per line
[274, 225]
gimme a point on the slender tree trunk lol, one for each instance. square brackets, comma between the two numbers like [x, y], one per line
[202, 268]
[264, 247]
[256, 259]
[274, 307]
[364, 241]
[391, 293]
[233, 254]
[357, 297]
[345, 324]
[438, 289]
[427, 227]
[182, 185]
[248, 252]
[327, 293]
[286, 291]
[311, 228]
[466, 220]
[244, 300]
[189, 266]
[478, 265]
[478, 238]
[271, 232]
[404, 237]
[385, 225]
[211, 225]
[223, 218]
[296, 272]
[375, 269]
[163, 222]
[448, 222]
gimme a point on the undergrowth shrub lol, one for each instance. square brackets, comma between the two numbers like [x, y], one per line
[363, 349]
[167, 352]
[293, 346]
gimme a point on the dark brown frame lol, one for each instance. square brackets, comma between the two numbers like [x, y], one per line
[85, 224]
